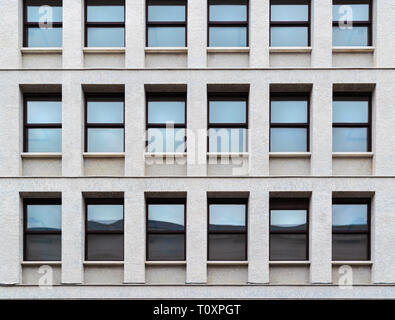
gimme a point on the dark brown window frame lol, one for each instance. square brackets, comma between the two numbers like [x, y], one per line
[165, 201]
[104, 3]
[290, 23]
[184, 24]
[105, 97]
[366, 201]
[290, 204]
[296, 96]
[37, 201]
[356, 96]
[368, 24]
[224, 24]
[230, 201]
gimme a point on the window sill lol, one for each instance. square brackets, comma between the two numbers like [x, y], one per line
[41, 50]
[227, 263]
[354, 263]
[41, 155]
[217, 155]
[228, 49]
[352, 49]
[165, 155]
[108, 50]
[103, 263]
[290, 49]
[289, 263]
[166, 49]
[352, 155]
[103, 155]
[289, 154]
[165, 263]
[41, 263]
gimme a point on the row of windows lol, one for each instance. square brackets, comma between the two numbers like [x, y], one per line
[226, 232]
[227, 122]
[228, 23]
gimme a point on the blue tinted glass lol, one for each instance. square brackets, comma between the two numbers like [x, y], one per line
[44, 14]
[105, 217]
[44, 37]
[105, 140]
[281, 220]
[228, 12]
[166, 217]
[351, 111]
[44, 217]
[106, 14]
[166, 36]
[350, 139]
[289, 111]
[44, 140]
[351, 12]
[106, 37]
[229, 217]
[349, 216]
[289, 36]
[357, 36]
[166, 140]
[158, 13]
[227, 112]
[44, 112]
[227, 140]
[105, 111]
[228, 36]
[166, 111]
[289, 12]
[288, 139]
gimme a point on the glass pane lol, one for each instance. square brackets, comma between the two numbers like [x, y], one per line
[159, 13]
[227, 217]
[168, 217]
[228, 36]
[350, 247]
[357, 36]
[105, 217]
[44, 37]
[105, 140]
[288, 220]
[225, 12]
[289, 36]
[227, 140]
[106, 14]
[350, 217]
[44, 112]
[289, 111]
[289, 12]
[104, 247]
[166, 36]
[44, 140]
[350, 12]
[44, 13]
[166, 111]
[105, 112]
[288, 140]
[166, 247]
[166, 140]
[106, 37]
[43, 247]
[350, 140]
[226, 247]
[288, 247]
[228, 111]
[44, 217]
[351, 111]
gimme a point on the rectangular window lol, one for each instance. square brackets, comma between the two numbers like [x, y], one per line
[351, 229]
[166, 229]
[227, 122]
[352, 123]
[166, 122]
[227, 229]
[42, 23]
[42, 229]
[290, 23]
[166, 23]
[104, 23]
[42, 123]
[104, 122]
[104, 227]
[289, 122]
[352, 23]
[289, 229]
[228, 23]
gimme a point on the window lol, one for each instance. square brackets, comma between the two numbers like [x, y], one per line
[289, 123]
[352, 23]
[351, 229]
[43, 123]
[351, 123]
[166, 23]
[166, 229]
[290, 23]
[42, 23]
[104, 227]
[228, 23]
[227, 122]
[104, 23]
[42, 229]
[104, 123]
[227, 229]
[166, 122]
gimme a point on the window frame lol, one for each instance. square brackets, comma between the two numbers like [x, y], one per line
[368, 202]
